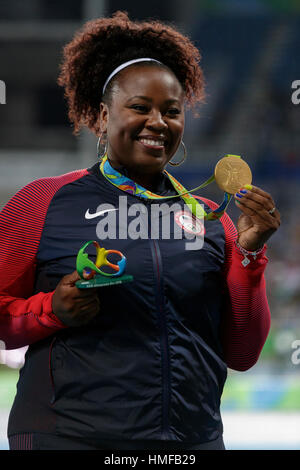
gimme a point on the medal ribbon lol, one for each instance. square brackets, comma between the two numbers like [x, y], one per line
[126, 184]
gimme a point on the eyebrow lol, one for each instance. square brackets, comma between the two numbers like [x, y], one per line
[146, 98]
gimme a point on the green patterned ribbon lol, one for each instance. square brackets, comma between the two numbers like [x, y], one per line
[126, 184]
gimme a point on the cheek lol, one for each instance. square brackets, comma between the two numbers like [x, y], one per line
[117, 134]
[177, 130]
[124, 127]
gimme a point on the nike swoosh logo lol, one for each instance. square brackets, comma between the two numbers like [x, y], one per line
[88, 215]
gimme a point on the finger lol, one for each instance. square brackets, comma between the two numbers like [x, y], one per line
[262, 201]
[258, 209]
[258, 195]
[246, 210]
[251, 202]
[263, 197]
[86, 292]
[259, 217]
[256, 203]
[257, 190]
[71, 279]
[87, 302]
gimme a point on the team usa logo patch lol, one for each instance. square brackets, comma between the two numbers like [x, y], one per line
[189, 223]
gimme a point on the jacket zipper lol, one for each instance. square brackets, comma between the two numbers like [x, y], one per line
[165, 356]
[164, 342]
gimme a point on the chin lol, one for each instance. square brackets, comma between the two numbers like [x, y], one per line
[151, 162]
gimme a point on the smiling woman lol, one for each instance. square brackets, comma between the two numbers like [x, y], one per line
[139, 365]
[142, 89]
[144, 122]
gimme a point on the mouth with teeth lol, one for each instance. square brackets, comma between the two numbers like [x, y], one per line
[152, 143]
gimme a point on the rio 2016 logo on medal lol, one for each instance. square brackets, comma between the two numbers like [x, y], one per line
[189, 223]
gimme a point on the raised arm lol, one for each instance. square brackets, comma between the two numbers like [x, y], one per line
[246, 321]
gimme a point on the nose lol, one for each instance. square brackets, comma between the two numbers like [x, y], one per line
[155, 121]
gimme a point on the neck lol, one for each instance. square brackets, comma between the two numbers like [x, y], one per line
[149, 181]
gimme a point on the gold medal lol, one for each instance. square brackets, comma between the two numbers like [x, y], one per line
[232, 173]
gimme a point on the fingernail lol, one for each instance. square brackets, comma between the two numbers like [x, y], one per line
[248, 186]
[239, 195]
[243, 191]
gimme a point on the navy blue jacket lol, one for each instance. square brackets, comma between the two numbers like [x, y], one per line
[150, 366]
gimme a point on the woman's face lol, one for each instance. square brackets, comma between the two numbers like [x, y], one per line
[145, 118]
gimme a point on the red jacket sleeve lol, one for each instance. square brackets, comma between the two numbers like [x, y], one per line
[26, 318]
[246, 321]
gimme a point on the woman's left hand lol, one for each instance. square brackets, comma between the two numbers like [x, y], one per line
[255, 224]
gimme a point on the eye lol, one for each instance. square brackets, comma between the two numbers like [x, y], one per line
[140, 107]
[173, 111]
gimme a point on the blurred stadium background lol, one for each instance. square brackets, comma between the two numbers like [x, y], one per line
[250, 52]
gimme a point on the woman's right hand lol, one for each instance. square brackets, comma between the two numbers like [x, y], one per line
[73, 306]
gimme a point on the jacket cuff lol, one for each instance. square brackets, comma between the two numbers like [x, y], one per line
[246, 257]
[48, 318]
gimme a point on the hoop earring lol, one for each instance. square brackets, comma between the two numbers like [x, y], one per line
[100, 143]
[184, 156]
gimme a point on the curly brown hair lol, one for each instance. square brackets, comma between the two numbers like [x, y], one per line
[105, 43]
